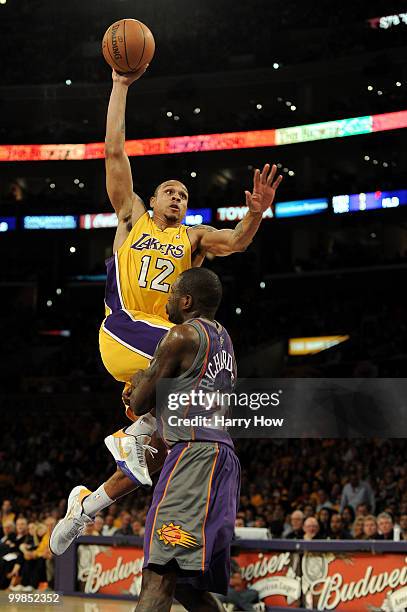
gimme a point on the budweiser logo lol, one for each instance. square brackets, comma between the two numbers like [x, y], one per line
[265, 565]
[332, 590]
[96, 577]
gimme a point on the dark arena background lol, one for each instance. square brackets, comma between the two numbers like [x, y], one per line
[318, 89]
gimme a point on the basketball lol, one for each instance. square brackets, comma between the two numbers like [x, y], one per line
[127, 45]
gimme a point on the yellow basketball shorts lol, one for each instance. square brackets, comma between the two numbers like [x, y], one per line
[127, 341]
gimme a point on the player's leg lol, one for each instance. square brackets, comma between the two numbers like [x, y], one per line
[191, 520]
[195, 600]
[127, 341]
[83, 504]
[157, 591]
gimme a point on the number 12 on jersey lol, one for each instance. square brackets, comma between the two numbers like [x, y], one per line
[165, 265]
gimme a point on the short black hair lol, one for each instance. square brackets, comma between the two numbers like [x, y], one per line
[204, 286]
[169, 181]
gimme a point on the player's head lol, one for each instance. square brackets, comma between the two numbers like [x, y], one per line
[170, 201]
[197, 292]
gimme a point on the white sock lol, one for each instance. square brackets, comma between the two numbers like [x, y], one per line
[145, 425]
[96, 501]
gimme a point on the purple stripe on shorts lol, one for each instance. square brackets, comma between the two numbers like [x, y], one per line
[223, 504]
[137, 334]
[112, 298]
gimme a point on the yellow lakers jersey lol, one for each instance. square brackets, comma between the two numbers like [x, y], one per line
[141, 272]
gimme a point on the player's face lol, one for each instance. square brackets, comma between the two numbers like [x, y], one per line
[171, 201]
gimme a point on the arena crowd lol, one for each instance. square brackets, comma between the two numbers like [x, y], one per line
[302, 489]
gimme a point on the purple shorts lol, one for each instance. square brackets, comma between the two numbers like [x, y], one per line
[192, 516]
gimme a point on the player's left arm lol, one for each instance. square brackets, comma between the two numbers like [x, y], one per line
[174, 355]
[206, 239]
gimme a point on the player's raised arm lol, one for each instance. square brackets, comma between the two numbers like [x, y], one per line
[206, 239]
[174, 355]
[119, 180]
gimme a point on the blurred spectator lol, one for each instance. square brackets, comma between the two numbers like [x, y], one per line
[6, 512]
[357, 528]
[323, 500]
[338, 532]
[403, 527]
[108, 527]
[362, 510]
[12, 561]
[276, 522]
[385, 527]
[137, 529]
[309, 510]
[239, 595]
[9, 528]
[311, 528]
[98, 524]
[348, 517]
[370, 527]
[324, 518]
[356, 492]
[125, 529]
[297, 522]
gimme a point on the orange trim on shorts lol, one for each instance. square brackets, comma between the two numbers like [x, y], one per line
[207, 507]
[164, 494]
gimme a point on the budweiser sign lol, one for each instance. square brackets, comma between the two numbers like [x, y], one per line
[355, 582]
[273, 576]
[110, 570]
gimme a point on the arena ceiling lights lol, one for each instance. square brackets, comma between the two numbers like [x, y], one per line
[211, 142]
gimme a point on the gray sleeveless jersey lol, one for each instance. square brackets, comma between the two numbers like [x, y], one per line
[197, 405]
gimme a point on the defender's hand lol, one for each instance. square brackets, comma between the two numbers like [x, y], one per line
[126, 395]
[264, 189]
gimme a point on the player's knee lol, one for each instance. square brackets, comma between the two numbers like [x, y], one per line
[161, 584]
[195, 600]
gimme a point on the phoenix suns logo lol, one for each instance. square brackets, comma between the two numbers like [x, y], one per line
[174, 535]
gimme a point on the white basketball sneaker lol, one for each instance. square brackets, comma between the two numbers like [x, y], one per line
[73, 523]
[128, 448]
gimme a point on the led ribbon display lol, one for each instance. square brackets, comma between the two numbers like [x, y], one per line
[211, 142]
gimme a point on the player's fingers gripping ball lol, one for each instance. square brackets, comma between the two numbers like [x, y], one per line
[128, 44]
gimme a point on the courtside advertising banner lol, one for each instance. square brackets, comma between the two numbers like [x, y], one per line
[274, 575]
[342, 581]
[109, 570]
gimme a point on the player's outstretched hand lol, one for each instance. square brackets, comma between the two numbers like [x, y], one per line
[264, 189]
[129, 77]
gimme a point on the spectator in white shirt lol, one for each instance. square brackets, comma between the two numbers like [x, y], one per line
[108, 527]
[357, 492]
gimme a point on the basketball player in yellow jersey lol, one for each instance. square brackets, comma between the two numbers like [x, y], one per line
[149, 254]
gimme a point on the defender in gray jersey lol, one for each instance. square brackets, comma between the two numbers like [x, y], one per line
[190, 524]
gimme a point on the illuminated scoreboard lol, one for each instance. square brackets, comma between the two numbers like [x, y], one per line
[369, 201]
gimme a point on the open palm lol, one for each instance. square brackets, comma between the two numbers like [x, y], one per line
[264, 189]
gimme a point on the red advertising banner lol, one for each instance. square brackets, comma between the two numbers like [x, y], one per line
[98, 220]
[274, 575]
[354, 582]
[109, 570]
